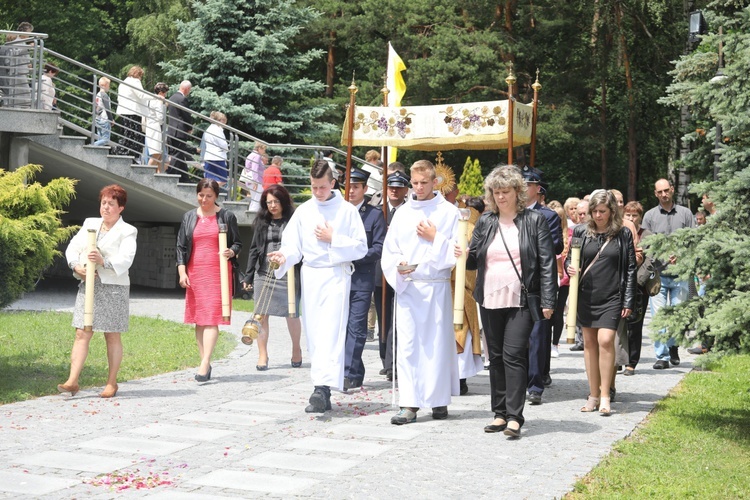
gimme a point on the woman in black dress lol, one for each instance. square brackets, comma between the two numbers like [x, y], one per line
[276, 208]
[606, 291]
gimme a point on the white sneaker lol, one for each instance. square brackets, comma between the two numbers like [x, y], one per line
[555, 353]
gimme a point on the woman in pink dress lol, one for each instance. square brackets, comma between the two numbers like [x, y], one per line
[198, 265]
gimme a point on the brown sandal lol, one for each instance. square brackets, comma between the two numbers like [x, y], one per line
[592, 404]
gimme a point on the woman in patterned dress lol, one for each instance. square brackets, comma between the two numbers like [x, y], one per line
[116, 244]
[198, 266]
[276, 208]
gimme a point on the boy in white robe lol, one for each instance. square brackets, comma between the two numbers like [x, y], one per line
[325, 233]
[422, 233]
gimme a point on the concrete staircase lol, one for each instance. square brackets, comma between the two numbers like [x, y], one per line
[33, 136]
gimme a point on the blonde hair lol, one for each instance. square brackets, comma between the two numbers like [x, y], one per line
[423, 166]
[372, 156]
[563, 223]
[501, 177]
[607, 198]
[104, 81]
[135, 72]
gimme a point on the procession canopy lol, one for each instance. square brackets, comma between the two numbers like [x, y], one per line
[472, 125]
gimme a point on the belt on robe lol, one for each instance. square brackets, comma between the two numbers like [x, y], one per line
[347, 267]
[428, 280]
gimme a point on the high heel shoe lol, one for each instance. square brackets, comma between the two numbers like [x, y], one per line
[296, 364]
[592, 404]
[262, 368]
[72, 389]
[604, 407]
[204, 378]
[109, 391]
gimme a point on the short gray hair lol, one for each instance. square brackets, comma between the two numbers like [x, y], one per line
[505, 176]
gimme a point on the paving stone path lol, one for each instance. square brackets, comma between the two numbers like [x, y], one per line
[244, 434]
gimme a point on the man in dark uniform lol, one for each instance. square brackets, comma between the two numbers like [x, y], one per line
[540, 341]
[178, 132]
[397, 189]
[363, 280]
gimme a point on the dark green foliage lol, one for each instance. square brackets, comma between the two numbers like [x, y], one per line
[721, 248]
[241, 58]
[30, 228]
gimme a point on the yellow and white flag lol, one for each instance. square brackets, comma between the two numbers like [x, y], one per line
[396, 88]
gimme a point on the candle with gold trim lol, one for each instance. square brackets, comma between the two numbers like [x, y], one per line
[463, 241]
[224, 270]
[575, 262]
[88, 303]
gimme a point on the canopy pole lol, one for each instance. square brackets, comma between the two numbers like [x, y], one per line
[352, 92]
[534, 114]
[510, 80]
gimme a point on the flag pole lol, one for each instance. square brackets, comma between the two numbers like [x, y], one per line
[510, 80]
[535, 113]
[352, 92]
[384, 199]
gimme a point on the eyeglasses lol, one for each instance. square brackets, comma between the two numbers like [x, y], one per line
[273, 202]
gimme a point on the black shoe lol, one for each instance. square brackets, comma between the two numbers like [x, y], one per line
[612, 394]
[440, 413]
[547, 381]
[535, 398]
[297, 364]
[511, 432]
[674, 356]
[203, 378]
[698, 350]
[382, 372]
[577, 347]
[320, 401]
[661, 364]
[389, 376]
[495, 428]
[351, 384]
[464, 386]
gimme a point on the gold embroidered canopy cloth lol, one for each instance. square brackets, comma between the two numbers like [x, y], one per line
[472, 125]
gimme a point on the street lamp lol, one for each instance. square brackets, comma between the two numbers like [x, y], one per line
[697, 26]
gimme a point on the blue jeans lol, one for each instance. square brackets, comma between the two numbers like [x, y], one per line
[672, 292]
[103, 131]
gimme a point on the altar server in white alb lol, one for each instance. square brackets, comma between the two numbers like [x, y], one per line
[325, 233]
[423, 233]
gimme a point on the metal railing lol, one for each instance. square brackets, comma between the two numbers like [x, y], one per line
[143, 120]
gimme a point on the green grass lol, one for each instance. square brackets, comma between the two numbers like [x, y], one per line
[35, 352]
[242, 305]
[696, 444]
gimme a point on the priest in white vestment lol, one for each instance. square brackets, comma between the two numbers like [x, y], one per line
[325, 233]
[423, 233]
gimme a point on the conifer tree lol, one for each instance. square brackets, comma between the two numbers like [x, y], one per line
[721, 248]
[30, 228]
[471, 181]
[241, 58]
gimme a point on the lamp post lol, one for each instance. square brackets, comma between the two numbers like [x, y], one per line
[717, 79]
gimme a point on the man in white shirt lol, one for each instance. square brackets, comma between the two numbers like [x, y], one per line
[325, 233]
[417, 262]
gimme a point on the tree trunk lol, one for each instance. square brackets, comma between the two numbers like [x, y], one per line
[331, 65]
[632, 141]
[603, 124]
